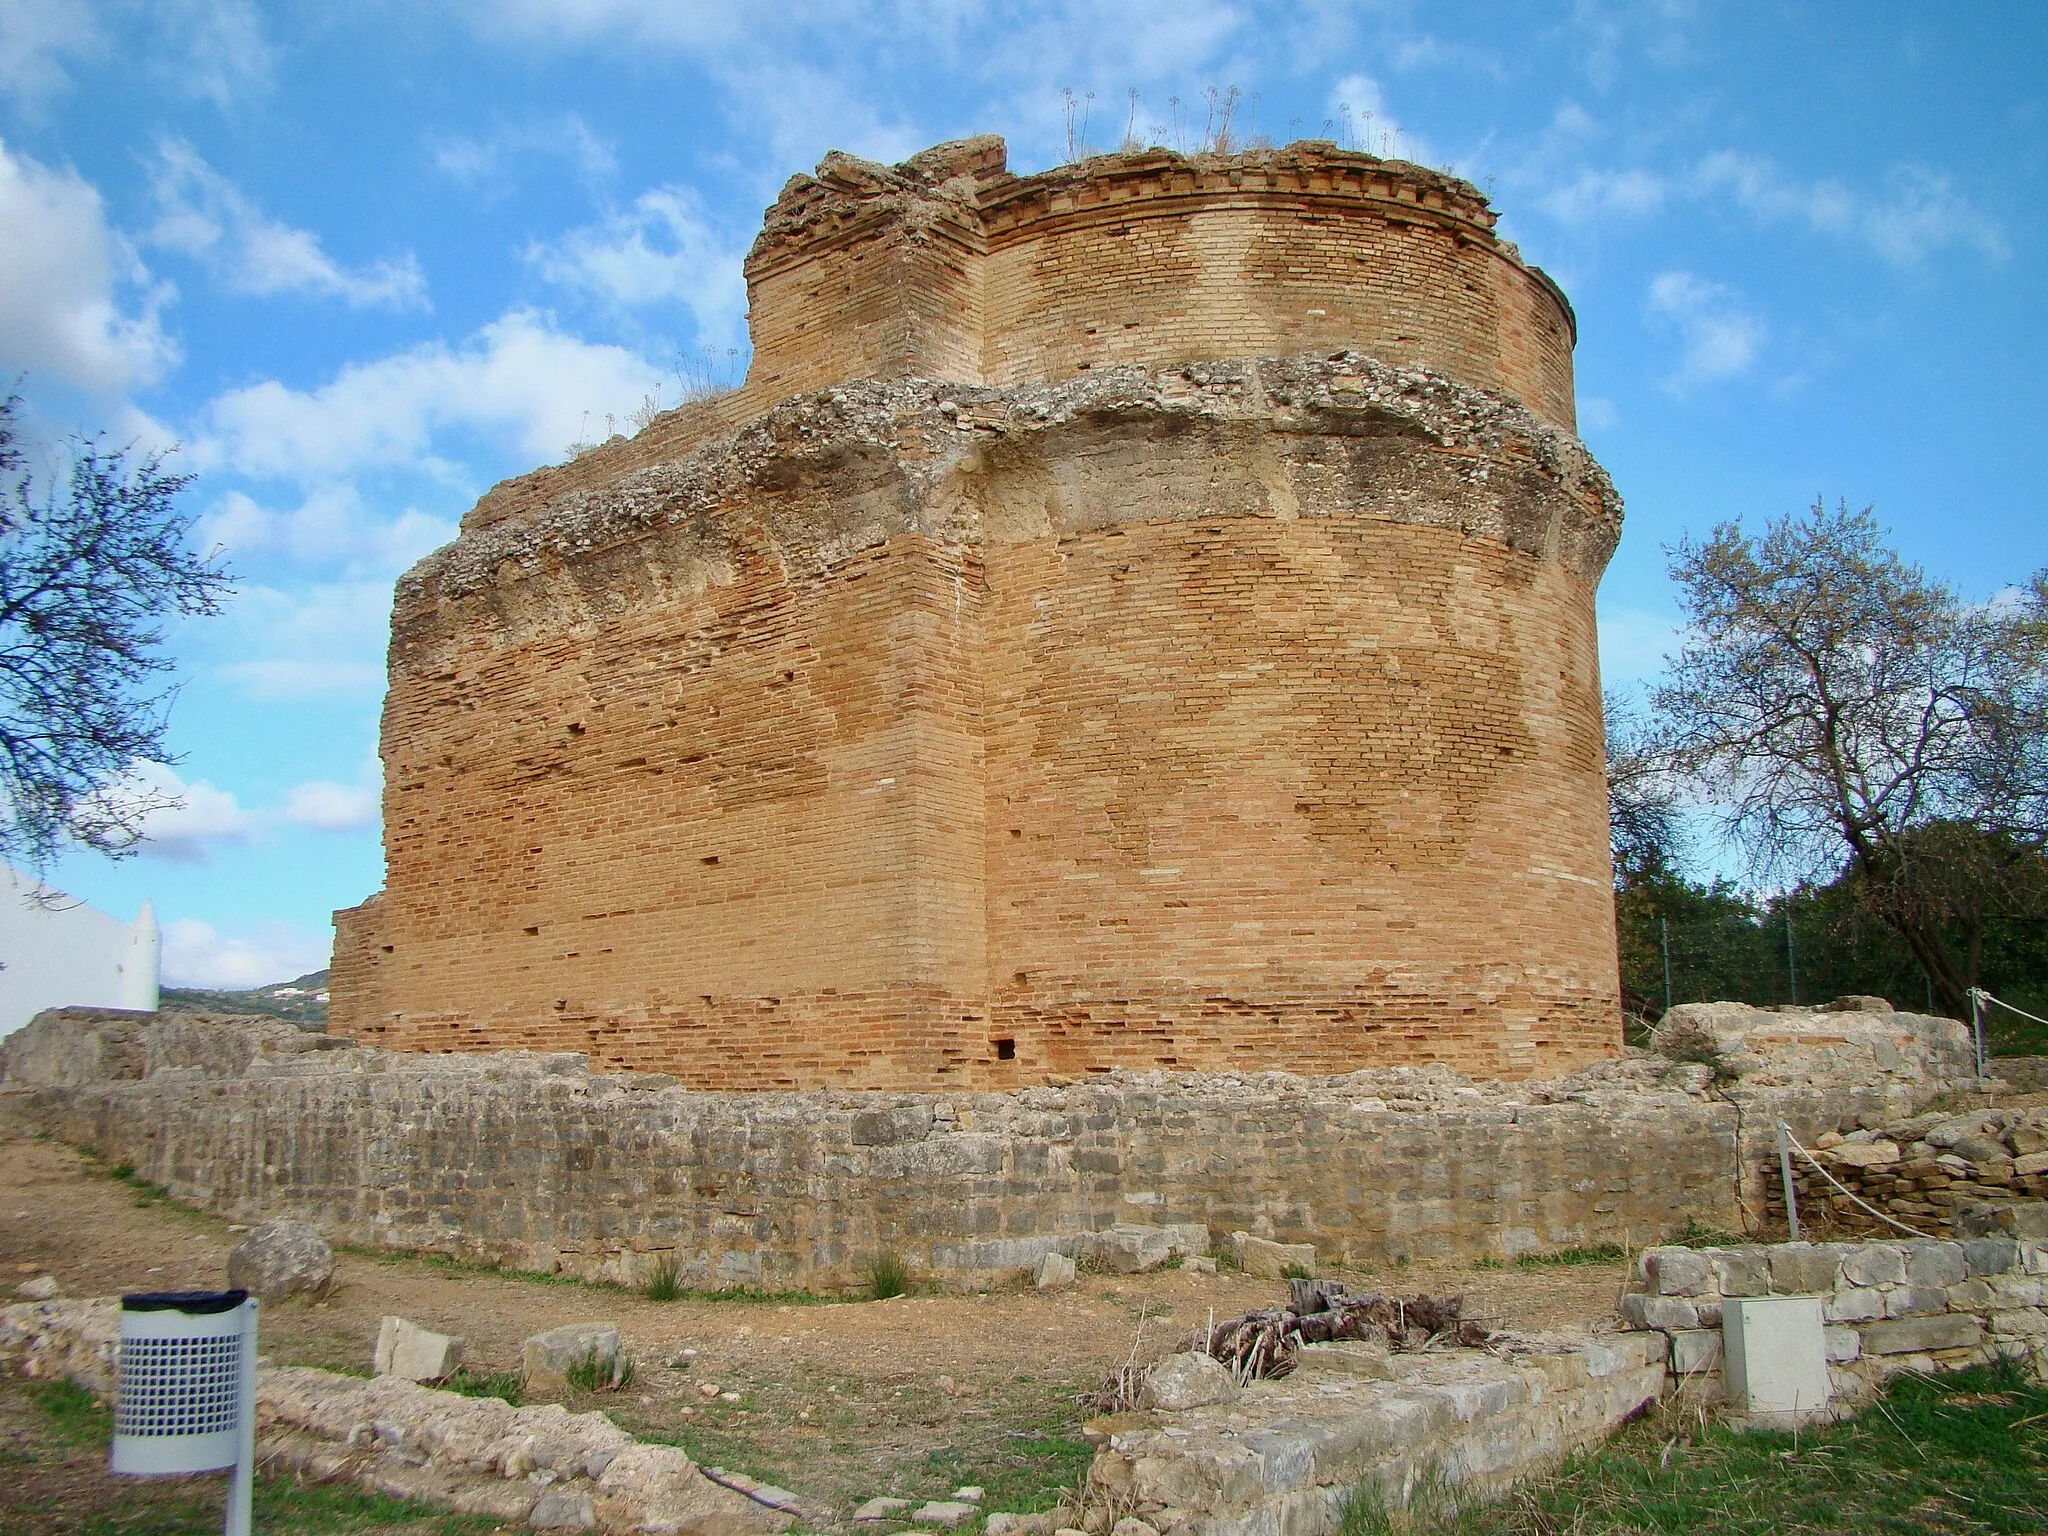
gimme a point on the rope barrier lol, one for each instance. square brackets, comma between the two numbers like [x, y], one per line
[1813, 1163]
[2008, 1007]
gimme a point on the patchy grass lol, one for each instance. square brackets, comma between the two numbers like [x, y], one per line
[666, 1283]
[1967, 1452]
[468, 1383]
[1566, 1258]
[1697, 1234]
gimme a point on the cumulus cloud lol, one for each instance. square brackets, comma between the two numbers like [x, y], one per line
[1364, 119]
[488, 160]
[196, 954]
[1720, 340]
[203, 214]
[1920, 213]
[519, 380]
[659, 251]
[75, 303]
[38, 40]
[324, 640]
[184, 821]
[1604, 194]
[331, 525]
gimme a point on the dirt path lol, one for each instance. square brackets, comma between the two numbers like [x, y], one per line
[839, 1400]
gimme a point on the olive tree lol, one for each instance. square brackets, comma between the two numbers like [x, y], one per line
[89, 575]
[1847, 711]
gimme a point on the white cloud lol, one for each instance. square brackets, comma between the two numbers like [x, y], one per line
[196, 954]
[62, 276]
[518, 379]
[187, 822]
[1921, 214]
[488, 160]
[203, 214]
[1720, 339]
[179, 822]
[326, 806]
[214, 49]
[1604, 194]
[37, 37]
[331, 525]
[1363, 120]
[321, 641]
[659, 251]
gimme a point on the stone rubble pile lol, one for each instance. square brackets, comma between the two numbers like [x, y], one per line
[1940, 1174]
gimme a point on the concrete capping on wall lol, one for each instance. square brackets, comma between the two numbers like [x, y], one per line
[532, 1161]
[1922, 1305]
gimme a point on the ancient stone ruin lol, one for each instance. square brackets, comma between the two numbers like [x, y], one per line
[1138, 615]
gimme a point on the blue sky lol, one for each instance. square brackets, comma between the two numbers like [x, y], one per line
[360, 261]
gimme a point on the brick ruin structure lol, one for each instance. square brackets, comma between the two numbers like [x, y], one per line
[1135, 615]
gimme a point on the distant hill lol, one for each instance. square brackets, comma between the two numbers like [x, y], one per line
[302, 1000]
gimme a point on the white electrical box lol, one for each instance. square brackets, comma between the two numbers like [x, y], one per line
[1774, 1358]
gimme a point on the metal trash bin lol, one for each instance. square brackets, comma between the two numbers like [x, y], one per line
[185, 1389]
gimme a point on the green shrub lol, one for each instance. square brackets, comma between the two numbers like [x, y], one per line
[886, 1275]
[666, 1283]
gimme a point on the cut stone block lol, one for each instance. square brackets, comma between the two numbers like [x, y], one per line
[1915, 1301]
[1936, 1264]
[1741, 1271]
[412, 1353]
[1990, 1255]
[545, 1359]
[1659, 1311]
[1054, 1271]
[1264, 1259]
[1677, 1271]
[1844, 1345]
[1915, 1335]
[1808, 1267]
[1776, 1367]
[1876, 1264]
[2020, 1322]
[1131, 1250]
[945, 1513]
[1857, 1305]
[1695, 1349]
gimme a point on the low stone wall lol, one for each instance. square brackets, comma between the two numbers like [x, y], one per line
[1888, 1306]
[1287, 1456]
[534, 1162]
[541, 1465]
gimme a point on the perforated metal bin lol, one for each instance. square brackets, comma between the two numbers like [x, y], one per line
[185, 1389]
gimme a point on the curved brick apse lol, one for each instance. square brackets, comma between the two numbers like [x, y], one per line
[1211, 684]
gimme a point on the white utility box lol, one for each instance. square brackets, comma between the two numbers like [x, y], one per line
[1775, 1359]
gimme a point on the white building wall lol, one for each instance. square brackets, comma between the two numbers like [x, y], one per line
[59, 953]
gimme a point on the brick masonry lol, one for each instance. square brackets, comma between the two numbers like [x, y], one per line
[1033, 689]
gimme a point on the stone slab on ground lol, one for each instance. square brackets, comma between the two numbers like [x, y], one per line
[1055, 1272]
[1288, 1455]
[883, 1508]
[945, 1512]
[1264, 1259]
[412, 1353]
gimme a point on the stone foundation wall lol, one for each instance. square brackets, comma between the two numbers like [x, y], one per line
[533, 1161]
[1924, 1305]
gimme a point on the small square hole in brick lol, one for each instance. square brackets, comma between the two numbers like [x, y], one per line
[1006, 1050]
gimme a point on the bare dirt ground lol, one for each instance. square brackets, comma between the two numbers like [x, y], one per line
[840, 1400]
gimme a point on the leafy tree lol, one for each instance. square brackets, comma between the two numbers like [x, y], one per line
[88, 577]
[1860, 719]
